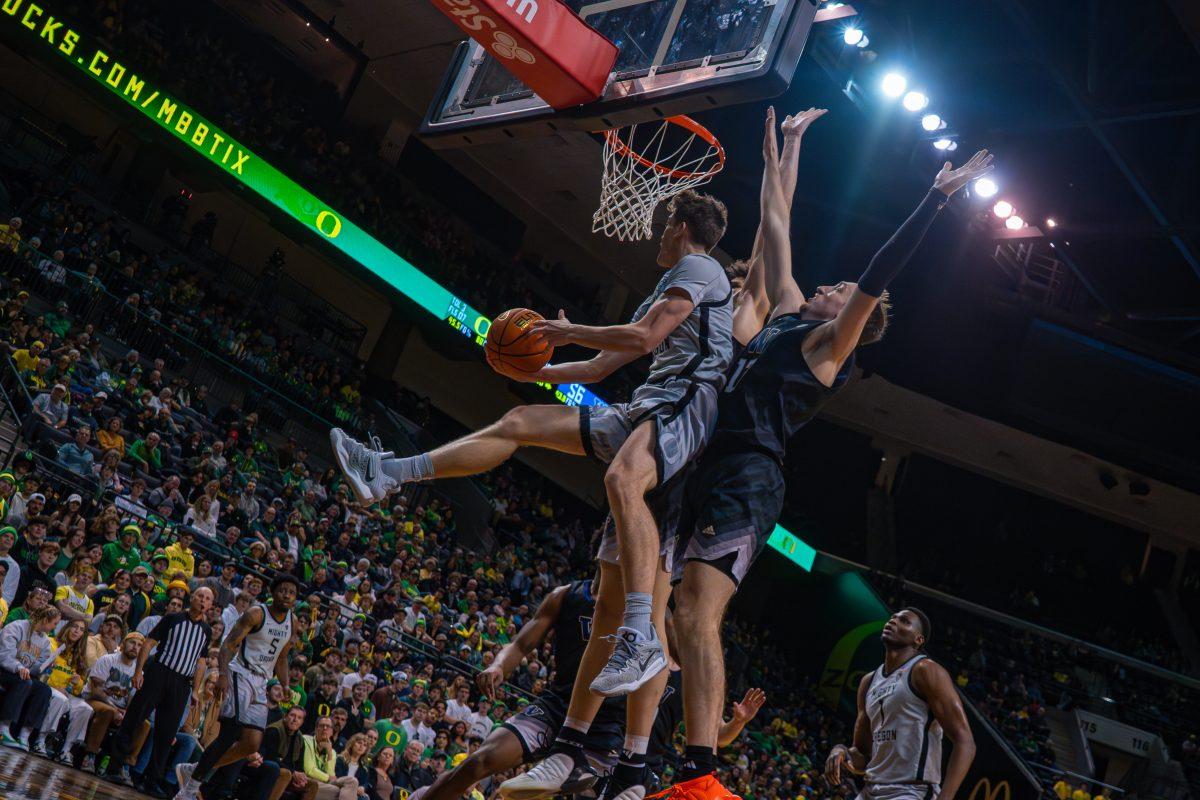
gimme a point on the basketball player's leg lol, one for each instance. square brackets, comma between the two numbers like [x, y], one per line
[700, 602]
[735, 499]
[639, 654]
[641, 707]
[502, 750]
[374, 474]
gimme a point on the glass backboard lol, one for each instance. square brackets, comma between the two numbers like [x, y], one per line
[676, 57]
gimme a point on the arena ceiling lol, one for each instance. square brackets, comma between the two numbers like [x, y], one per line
[1092, 106]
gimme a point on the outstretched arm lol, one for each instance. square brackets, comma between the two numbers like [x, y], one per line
[754, 306]
[530, 636]
[637, 338]
[594, 369]
[781, 287]
[847, 327]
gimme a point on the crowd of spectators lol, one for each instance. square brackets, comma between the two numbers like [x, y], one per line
[135, 490]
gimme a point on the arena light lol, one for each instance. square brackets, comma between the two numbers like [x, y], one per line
[1014, 223]
[932, 122]
[863, 43]
[894, 84]
[1050, 223]
[1003, 209]
[942, 144]
[852, 35]
[238, 162]
[915, 101]
[986, 187]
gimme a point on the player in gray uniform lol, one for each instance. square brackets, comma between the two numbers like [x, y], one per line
[253, 652]
[905, 707]
[685, 324]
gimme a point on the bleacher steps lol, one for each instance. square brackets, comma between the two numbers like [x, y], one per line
[1063, 741]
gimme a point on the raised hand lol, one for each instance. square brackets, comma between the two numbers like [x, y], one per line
[950, 180]
[751, 703]
[796, 125]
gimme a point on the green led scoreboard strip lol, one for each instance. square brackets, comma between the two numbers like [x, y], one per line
[37, 22]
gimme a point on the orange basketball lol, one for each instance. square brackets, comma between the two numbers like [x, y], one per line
[511, 344]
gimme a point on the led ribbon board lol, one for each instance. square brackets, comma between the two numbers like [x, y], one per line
[36, 21]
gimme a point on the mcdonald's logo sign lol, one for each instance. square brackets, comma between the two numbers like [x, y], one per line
[1000, 791]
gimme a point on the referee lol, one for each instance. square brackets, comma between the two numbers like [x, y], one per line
[164, 685]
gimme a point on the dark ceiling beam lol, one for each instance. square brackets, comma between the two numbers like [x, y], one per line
[1188, 12]
[1016, 10]
[1158, 112]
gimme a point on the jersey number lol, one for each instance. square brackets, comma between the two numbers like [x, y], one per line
[274, 646]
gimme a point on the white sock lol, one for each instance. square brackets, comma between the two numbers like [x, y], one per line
[581, 725]
[24, 735]
[636, 744]
[409, 469]
[4, 731]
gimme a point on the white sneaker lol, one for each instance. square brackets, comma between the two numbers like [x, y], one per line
[362, 466]
[543, 779]
[188, 788]
[632, 793]
[635, 660]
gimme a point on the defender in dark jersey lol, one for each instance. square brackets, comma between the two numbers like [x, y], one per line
[527, 736]
[724, 510]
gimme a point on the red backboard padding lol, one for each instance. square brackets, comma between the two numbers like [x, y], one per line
[542, 42]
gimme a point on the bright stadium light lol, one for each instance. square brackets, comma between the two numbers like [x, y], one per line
[863, 42]
[931, 122]
[894, 84]
[1050, 222]
[852, 35]
[986, 187]
[1014, 223]
[942, 144]
[915, 101]
[1003, 209]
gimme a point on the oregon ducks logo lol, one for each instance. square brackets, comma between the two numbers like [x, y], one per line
[506, 46]
[1001, 790]
[329, 224]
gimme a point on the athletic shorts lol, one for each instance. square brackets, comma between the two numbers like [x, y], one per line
[684, 412]
[245, 701]
[898, 791]
[539, 722]
[722, 511]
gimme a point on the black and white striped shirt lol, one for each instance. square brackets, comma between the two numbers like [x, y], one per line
[181, 642]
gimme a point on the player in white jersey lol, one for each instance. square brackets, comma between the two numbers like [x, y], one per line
[905, 707]
[254, 651]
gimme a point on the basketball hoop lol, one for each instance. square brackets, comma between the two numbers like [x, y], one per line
[648, 163]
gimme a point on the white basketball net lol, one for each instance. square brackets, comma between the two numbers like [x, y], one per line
[642, 170]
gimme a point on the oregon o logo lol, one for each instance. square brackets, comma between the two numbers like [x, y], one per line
[506, 46]
[392, 738]
[990, 792]
[327, 219]
[482, 324]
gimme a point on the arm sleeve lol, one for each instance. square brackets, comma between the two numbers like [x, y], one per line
[891, 258]
[696, 276]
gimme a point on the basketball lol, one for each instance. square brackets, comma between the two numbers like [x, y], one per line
[510, 343]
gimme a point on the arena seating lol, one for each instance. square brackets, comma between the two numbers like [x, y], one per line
[530, 521]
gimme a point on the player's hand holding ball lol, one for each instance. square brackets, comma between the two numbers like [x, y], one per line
[514, 348]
